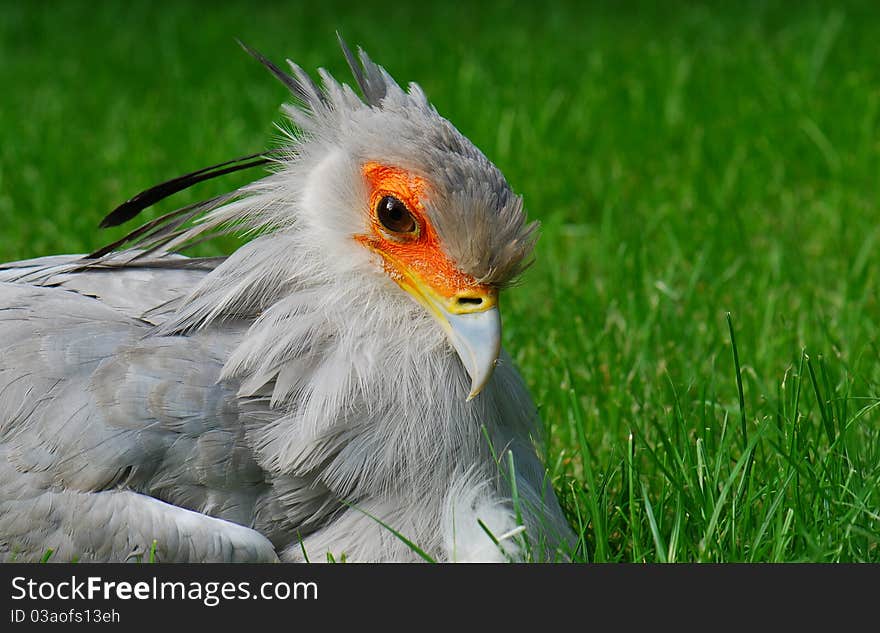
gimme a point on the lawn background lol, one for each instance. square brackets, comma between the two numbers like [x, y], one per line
[686, 161]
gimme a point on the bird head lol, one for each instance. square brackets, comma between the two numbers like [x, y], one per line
[378, 190]
[400, 231]
[425, 208]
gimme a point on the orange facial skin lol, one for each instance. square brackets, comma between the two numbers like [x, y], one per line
[418, 254]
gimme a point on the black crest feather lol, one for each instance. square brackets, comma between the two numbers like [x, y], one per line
[147, 198]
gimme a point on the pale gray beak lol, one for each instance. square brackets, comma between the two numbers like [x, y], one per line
[470, 319]
[477, 339]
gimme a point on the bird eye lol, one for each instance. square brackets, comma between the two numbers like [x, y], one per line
[394, 215]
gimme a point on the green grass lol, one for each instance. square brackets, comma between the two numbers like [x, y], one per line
[687, 162]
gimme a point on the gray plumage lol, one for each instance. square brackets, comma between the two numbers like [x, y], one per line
[288, 400]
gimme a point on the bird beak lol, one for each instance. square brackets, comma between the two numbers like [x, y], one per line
[471, 321]
[476, 337]
[467, 311]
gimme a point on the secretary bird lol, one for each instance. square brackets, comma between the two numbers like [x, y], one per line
[335, 387]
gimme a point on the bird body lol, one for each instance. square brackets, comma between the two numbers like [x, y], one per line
[335, 387]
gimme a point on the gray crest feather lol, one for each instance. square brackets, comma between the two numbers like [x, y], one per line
[304, 91]
[370, 78]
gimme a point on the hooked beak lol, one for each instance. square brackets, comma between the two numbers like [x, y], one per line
[469, 316]
[471, 321]
[476, 336]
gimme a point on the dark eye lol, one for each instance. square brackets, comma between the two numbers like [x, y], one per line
[394, 215]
